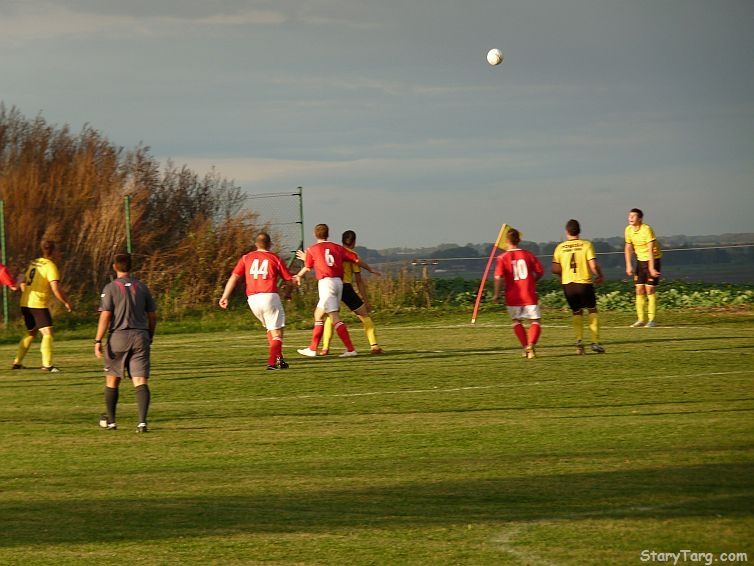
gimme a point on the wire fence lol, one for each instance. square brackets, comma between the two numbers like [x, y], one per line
[436, 260]
[104, 228]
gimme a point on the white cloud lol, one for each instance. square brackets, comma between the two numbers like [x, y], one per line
[36, 20]
[48, 20]
[389, 171]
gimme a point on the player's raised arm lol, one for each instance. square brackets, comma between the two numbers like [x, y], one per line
[368, 268]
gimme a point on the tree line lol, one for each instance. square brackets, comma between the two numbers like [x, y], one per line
[187, 230]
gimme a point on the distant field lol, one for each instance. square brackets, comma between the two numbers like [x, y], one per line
[449, 449]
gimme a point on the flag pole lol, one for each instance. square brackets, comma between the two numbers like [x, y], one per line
[486, 272]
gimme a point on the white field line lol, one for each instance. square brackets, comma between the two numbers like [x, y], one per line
[506, 541]
[436, 390]
[253, 336]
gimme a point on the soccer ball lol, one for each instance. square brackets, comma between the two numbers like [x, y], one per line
[494, 57]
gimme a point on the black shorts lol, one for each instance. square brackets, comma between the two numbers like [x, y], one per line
[642, 276]
[580, 296]
[36, 318]
[350, 297]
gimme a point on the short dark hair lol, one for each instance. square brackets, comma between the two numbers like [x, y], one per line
[321, 231]
[513, 236]
[122, 262]
[263, 240]
[348, 237]
[573, 228]
[48, 248]
[638, 212]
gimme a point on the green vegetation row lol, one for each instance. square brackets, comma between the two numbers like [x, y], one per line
[187, 229]
[394, 299]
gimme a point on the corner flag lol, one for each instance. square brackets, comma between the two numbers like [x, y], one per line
[504, 229]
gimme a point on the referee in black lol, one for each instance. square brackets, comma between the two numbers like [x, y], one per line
[128, 312]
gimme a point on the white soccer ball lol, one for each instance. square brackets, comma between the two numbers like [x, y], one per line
[494, 57]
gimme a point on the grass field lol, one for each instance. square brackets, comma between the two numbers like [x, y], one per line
[448, 449]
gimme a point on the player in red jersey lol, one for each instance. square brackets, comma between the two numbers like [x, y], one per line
[519, 270]
[261, 269]
[326, 258]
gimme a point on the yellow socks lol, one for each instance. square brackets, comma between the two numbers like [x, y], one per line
[640, 302]
[327, 336]
[46, 350]
[369, 330]
[23, 347]
[651, 306]
[594, 327]
[578, 329]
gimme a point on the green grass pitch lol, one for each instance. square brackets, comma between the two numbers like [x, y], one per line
[449, 449]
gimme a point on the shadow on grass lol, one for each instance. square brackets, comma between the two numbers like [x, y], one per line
[686, 491]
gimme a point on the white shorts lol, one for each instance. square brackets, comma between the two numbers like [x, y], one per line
[330, 293]
[268, 309]
[527, 311]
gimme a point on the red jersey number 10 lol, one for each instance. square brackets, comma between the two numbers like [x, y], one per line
[520, 270]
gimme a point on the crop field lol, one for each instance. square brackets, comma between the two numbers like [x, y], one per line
[448, 449]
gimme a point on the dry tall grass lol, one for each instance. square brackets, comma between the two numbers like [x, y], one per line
[187, 230]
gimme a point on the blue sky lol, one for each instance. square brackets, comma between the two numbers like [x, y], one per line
[390, 118]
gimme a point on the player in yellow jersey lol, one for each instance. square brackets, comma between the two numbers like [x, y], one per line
[575, 261]
[41, 281]
[640, 239]
[357, 302]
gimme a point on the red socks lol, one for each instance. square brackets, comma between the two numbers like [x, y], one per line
[340, 328]
[342, 331]
[518, 330]
[319, 330]
[534, 331]
[276, 350]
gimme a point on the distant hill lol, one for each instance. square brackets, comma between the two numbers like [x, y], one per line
[448, 250]
[732, 265]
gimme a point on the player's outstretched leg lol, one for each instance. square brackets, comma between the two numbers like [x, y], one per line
[311, 351]
[23, 348]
